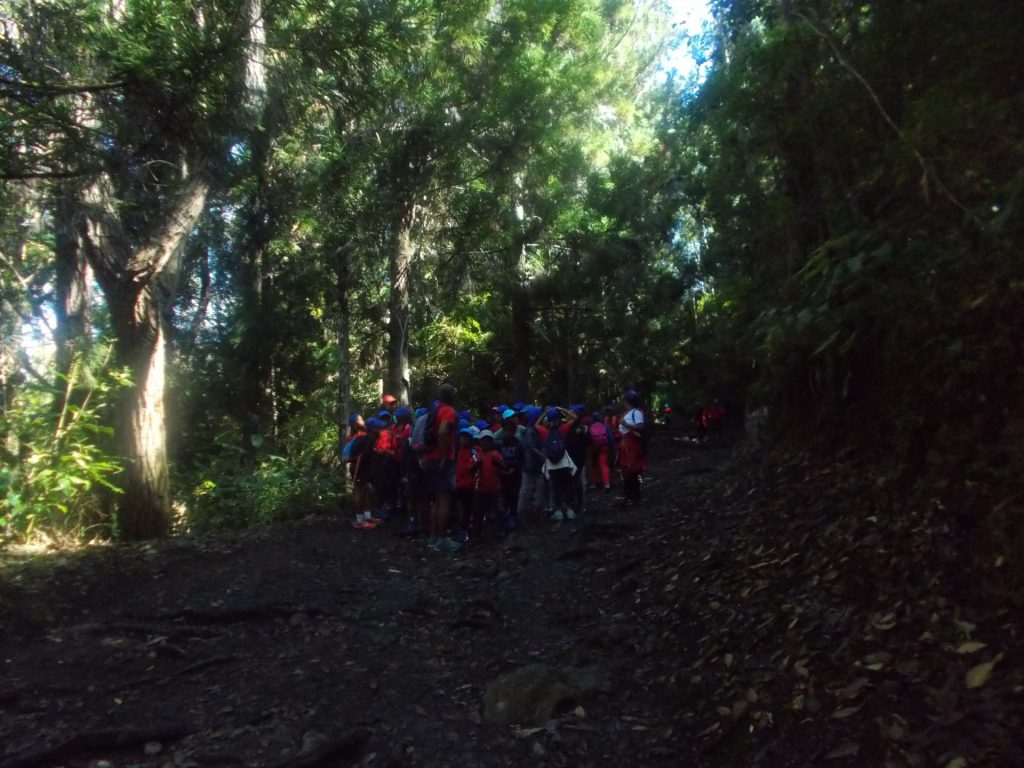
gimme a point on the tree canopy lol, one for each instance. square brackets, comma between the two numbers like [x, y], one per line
[226, 226]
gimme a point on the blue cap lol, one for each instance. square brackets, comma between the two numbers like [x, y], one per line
[502, 408]
[354, 419]
[421, 411]
[579, 408]
[482, 424]
[385, 414]
[374, 423]
[463, 424]
[595, 416]
[533, 413]
[467, 431]
[403, 412]
[466, 415]
[631, 397]
[519, 405]
[554, 413]
[508, 414]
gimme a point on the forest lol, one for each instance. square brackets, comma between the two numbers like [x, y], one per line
[227, 226]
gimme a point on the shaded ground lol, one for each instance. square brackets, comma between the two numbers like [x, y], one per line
[772, 616]
[249, 649]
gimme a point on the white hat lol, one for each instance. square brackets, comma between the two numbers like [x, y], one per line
[486, 433]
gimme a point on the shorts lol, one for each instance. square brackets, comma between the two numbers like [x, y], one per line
[436, 480]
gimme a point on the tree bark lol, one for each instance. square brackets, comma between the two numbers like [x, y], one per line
[144, 511]
[397, 382]
[73, 295]
[132, 280]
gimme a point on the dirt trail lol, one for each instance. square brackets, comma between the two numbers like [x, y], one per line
[317, 644]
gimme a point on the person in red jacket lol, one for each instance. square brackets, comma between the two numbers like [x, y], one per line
[489, 500]
[466, 465]
[601, 440]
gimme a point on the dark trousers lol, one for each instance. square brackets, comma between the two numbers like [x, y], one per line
[561, 488]
[463, 507]
[510, 491]
[489, 506]
[631, 485]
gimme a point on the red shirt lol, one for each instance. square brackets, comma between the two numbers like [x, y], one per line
[445, 415]
[489, 479]
[465, 468]
[400, 433]
[385, 442]
[543, 431]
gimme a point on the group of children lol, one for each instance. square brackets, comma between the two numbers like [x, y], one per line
[457, 475]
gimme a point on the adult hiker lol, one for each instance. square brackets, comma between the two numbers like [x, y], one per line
[511, 449]
[533, 489]
[559, 467]
[633, 449]
[438, 461]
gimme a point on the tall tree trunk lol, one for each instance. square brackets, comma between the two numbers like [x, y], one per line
[133, 280]
[343, 271]
[397, 382]
[71, 305]
[144, 511]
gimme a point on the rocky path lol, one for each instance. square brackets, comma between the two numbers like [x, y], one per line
[315, 644]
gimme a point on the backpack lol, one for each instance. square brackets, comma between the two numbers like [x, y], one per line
[599, 434]
[554, 448]
[355, 447]
[424, 432]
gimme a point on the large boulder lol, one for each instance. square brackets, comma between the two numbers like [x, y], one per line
[533, 694]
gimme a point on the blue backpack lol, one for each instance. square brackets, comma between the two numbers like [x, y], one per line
[554, 448]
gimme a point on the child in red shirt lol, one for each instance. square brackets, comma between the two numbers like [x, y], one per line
[466, 466]
[489, 500]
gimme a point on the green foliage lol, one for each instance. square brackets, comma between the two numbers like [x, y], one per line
[58, 472]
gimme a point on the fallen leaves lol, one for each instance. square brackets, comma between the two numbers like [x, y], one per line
[979, 675]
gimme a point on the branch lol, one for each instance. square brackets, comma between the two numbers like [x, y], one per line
[166, 241]
[29, 175]
[926, 168]
[45, 89]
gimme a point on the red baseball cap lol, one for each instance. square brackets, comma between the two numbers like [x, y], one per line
[388, 399]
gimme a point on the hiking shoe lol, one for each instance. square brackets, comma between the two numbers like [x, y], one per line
[570, 515]
[447, 545]
[557, 516]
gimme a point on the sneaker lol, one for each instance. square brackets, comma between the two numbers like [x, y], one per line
[447, 545]
[557, 516]
[367, 516]
[570, 515]
[362, 524]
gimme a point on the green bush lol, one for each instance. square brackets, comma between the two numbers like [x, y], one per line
[58, 475]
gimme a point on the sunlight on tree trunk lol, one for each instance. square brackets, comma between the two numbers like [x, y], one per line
[144, 511]
[398, 324]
